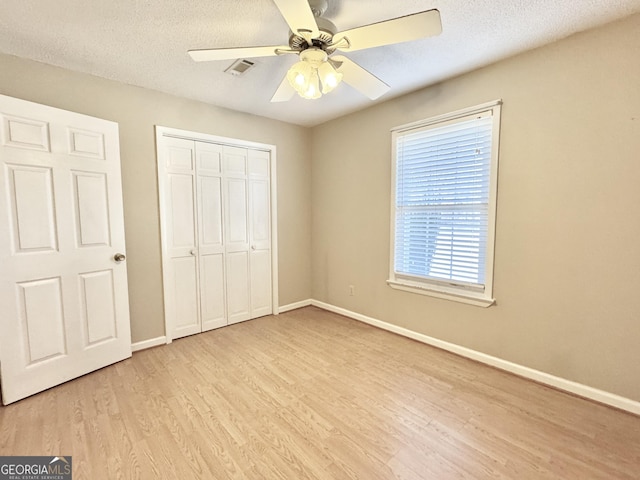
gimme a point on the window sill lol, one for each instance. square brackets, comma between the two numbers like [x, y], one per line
[469, 298]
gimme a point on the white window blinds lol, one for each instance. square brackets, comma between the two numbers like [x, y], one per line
[443, 175]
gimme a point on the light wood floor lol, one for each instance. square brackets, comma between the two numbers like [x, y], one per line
[310, 394]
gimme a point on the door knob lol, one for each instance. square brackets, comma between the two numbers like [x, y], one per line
[193, 252]
[119, 257]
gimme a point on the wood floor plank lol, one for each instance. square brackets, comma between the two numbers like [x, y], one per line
[313, 395]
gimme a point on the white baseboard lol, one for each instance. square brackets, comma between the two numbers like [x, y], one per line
[294, 306]
[152, 342]
[585, 391]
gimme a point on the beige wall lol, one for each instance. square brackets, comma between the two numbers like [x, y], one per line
[137, 111]
[567, 267]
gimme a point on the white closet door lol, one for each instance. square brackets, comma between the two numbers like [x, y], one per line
[63, 288]
[260, 233]
[236, 233]
[210, 236]
[216, 228]
[179, 236]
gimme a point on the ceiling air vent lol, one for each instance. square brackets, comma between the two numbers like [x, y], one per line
[239, 67]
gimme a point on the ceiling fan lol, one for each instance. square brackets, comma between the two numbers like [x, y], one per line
[315, 40]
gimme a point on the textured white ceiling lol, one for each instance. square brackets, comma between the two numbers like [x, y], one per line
[145, 43]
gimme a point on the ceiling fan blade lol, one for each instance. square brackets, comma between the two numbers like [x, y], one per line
[284, 93]
[211, 54]
[359, 78]
[397, 30]
[299, 17]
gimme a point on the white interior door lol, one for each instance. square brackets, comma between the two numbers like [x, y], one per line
[65, 309]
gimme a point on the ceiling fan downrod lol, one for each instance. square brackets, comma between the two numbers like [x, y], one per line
[318, 7]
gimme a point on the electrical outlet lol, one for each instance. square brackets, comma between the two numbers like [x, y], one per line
[352, 290]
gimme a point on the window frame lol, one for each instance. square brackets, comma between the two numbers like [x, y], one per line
[460, 292]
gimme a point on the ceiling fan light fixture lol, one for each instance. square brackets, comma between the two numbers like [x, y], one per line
[310, 72]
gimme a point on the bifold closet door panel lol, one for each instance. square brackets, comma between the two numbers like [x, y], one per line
[260, 233]
[181, 275]
[211, 236]
[236, 235]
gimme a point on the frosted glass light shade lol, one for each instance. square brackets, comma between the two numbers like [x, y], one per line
[303, 77]
[329, 77]
[312, 71]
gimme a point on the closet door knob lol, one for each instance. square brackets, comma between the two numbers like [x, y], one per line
[193, 252]
[119, 257]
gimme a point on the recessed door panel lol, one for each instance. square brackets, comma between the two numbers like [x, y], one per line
[260, 209]
[180, 157]
[259, 163]
[238, 307]
[33, 209]
[25, 133]
[210, 211]
[235, 161]
[182, 225]
[84, 143]
[92, 212]
[236, 211]
[261, 283]
[185, 298]
[42, 318]
[212, 294]
[209, 158]
[98, 307]
[210, 161]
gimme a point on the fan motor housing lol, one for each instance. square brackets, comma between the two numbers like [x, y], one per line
[327, 30]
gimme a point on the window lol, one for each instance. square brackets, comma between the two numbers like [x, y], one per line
[444, 189]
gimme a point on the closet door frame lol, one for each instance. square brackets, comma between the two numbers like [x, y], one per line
[162, 132]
